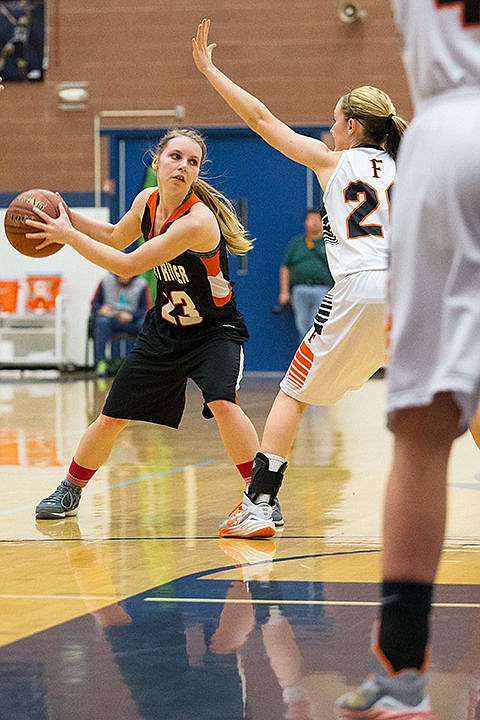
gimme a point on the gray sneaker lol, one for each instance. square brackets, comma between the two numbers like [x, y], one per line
[63, 502]
[277, 516]
[395, 696]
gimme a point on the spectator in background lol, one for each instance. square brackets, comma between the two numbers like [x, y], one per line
[304, 274]
[118, 306]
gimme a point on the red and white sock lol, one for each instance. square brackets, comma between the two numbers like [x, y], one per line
[245, 470]
[79, 475]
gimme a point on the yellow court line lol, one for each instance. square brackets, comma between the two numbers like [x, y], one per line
[277, 601]
[225, 601]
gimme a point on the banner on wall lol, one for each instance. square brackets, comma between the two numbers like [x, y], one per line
[22, 40]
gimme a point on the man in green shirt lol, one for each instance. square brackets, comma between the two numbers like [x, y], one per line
[304, 274]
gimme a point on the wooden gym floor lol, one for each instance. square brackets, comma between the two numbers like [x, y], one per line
[136, 610]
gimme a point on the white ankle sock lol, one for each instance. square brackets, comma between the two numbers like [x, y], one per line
[275, 462]
[262, 497]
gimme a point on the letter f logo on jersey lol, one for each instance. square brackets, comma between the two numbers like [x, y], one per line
[376, 167]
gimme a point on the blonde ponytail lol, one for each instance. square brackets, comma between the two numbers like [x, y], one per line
[234, 233]
[375, 111]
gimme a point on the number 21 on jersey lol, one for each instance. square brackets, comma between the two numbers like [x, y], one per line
[368, 201]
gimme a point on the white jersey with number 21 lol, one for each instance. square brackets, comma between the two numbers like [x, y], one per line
[357, 204]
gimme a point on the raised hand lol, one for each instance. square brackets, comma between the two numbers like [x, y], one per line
[202, 51]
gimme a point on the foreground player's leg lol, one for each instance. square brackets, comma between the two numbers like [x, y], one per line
[414, 526]
[93, 451]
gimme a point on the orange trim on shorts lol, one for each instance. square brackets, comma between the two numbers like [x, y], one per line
[300, 366]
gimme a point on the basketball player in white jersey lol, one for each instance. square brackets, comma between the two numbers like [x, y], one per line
[346, 345]
[434, 374]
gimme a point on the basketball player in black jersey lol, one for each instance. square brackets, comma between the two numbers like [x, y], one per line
[194, 330]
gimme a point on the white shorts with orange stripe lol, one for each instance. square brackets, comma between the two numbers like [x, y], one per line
[347, 343]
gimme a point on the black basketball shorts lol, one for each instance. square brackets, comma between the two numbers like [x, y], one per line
[151, 384]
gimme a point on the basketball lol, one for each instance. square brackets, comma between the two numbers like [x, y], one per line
[20, 210]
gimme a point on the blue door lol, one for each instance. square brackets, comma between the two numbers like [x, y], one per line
[271, 194]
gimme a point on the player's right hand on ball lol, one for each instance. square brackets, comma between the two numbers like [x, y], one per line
[50, 230]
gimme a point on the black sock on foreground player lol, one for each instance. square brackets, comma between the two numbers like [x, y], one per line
[404, 626]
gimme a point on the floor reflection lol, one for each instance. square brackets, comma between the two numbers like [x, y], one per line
[136, 610]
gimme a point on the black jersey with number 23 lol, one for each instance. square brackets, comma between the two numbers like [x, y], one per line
[194, 288]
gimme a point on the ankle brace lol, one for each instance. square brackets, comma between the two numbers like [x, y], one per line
[265, 480]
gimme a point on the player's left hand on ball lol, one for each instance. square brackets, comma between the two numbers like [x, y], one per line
[50, 230]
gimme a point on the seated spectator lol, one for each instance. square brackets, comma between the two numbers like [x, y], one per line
[118, 306]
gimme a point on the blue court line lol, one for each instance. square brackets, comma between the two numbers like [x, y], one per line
[132, 481]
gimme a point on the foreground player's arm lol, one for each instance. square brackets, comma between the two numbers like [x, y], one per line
[196, 231]
[305, 150]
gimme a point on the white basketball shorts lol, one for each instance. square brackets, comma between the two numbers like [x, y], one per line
[347, 344]
[435, 263]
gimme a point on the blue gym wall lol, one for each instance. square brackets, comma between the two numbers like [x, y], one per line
[272, 193]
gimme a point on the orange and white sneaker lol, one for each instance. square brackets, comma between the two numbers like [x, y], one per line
[249, 520]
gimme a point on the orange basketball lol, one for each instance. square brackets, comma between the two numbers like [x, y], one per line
[20, 210]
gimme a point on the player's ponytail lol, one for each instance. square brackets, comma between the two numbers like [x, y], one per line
[231, 228]
[375, 111]
[395, 129]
